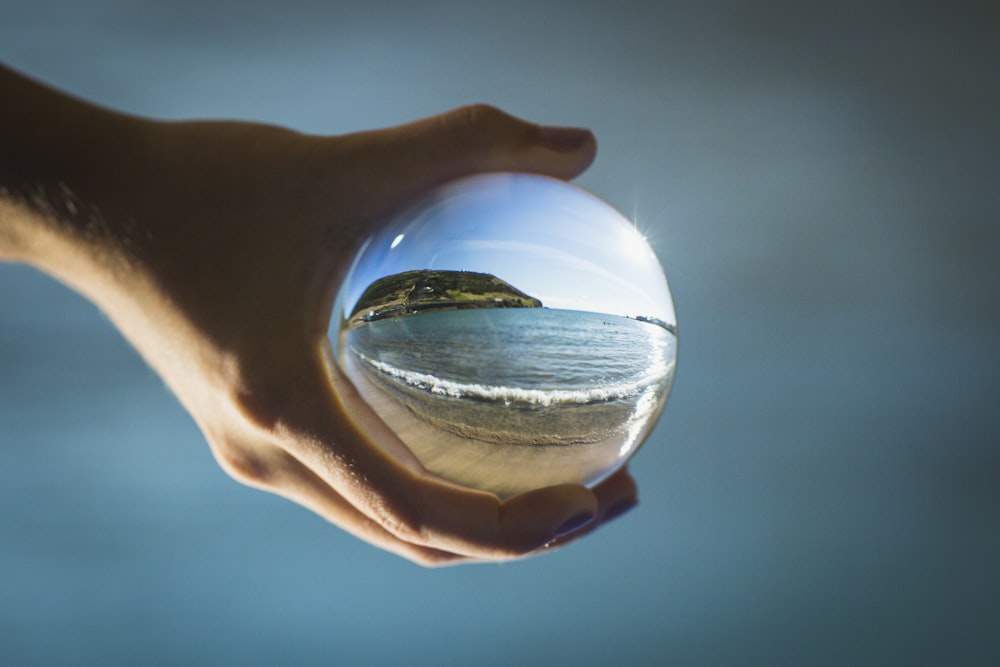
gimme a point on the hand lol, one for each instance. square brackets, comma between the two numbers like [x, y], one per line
[217, 249]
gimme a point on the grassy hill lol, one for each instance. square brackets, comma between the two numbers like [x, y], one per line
[417, 291]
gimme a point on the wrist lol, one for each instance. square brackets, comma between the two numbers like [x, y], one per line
[64, 165]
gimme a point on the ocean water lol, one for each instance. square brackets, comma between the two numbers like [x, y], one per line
[513, 398]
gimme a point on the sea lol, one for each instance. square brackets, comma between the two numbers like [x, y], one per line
[520, 376]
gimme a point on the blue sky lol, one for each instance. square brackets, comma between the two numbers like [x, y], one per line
[554, 241]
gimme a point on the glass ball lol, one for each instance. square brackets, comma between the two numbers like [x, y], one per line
[513, 330]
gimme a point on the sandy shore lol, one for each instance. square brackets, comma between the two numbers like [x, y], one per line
[503, 469]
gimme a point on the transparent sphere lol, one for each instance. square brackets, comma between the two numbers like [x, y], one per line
[513, 330]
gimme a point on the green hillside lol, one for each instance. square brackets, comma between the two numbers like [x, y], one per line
[418, 291]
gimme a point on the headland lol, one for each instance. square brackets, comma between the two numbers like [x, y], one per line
[422, 290]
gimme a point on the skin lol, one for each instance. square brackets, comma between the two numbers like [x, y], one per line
[216, 249]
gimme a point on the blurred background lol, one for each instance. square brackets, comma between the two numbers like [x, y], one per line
[822, 185]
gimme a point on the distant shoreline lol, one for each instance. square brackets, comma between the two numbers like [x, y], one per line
[432, 290]
[672, 328]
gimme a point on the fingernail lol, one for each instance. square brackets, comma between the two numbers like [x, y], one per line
[616, 511]
[563, 138]
[574, 524]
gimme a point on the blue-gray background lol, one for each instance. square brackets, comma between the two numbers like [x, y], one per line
[821, 184]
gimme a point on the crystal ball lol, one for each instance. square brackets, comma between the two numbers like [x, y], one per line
[513, 330]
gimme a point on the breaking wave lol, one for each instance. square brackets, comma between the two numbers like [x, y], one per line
[518, 395]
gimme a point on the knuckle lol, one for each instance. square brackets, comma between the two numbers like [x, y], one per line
[404, 527]
[480, 117]
[400, 522]
[242, 465]
[256, 408]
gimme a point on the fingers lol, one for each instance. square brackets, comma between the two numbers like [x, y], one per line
[482, 138]
[271, 469]
[406, 501]
[333, 455]
[615, 496]
[468, 140]
[304, 487]
[421, 510]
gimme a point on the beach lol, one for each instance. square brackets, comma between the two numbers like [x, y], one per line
[531, 425]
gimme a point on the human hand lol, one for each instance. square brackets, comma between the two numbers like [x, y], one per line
[217, 249]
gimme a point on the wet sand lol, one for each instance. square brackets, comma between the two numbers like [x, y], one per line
[491, 463]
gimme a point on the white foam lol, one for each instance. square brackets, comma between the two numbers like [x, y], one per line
[542, 397]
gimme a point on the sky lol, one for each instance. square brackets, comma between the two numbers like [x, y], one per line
[552, 241]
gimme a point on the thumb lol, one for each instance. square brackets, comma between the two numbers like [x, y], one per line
[471, 140]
